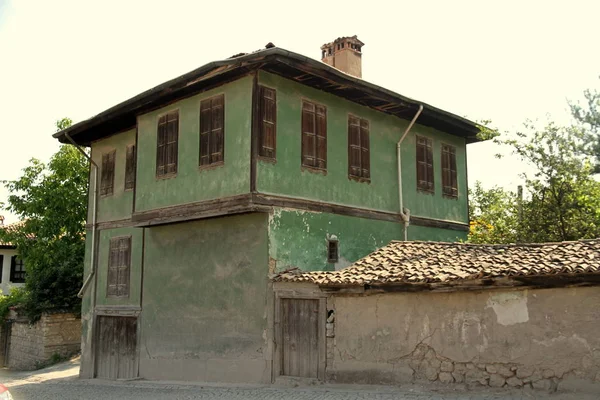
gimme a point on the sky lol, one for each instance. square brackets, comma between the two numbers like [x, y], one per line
[507, 61]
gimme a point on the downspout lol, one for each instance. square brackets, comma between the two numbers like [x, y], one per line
[404, 212]
[94, 216]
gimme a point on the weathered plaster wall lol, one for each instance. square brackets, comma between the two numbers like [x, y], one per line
[205, 301]
[544, 338]
[298, 238]
[286, 176]
[135, 277]
[191, 183]
[118, 205]
[87, 370]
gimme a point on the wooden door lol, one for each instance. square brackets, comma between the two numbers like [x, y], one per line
[300, 337]
[116, 352]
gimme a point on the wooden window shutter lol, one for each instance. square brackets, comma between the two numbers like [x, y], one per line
[268, 122]
[359, 148]
[119, 263]
[13, 260]
[167, 144]
[212, 135]
[130, 167]
[425, 164]
[107, 178]
[449, 178]
[1, 266]
[314, 135]
[161, 148]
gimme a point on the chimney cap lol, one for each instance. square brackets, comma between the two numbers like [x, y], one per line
[354, 39]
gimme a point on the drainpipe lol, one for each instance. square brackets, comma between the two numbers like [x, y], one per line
[94, 216]
[404, 212]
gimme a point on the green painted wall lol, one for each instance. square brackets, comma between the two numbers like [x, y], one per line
[136, 266]
[87, 313]
[192, 184]
[286, 176]
[118, 205]
[204, 301]
[299, 238]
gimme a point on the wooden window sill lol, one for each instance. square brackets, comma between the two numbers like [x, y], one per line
[314, 170]
[211, 166]
[359, 179]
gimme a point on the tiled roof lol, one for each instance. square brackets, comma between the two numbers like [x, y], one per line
[434, 262]
[11, 227]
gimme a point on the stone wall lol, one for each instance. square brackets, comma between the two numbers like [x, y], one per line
[54, 335]
[542, 339]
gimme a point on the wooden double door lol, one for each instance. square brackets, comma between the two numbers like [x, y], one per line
[116, 347]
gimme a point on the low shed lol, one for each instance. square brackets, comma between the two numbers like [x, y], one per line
[497, 315]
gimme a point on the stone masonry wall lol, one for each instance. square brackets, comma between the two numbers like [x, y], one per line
[31, 346]
[543, 339]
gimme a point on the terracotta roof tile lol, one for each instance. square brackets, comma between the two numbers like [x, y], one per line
[431, 262]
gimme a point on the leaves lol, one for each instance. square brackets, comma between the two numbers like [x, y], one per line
[51, 201]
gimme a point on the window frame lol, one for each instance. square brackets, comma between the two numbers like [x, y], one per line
[14, 272]
[130, 167]
[362, 149]
[115, 242]
[330, 243]
[210, 132]
[303, 135]
[261, 124]
[165, 173]
[107, 175]
[429, 167]
[449, 189]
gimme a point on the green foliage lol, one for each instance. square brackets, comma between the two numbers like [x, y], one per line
[588, 117]
[16, 298]
[51, 201]
[563, 198]
[486, 132]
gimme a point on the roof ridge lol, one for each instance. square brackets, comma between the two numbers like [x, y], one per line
[542, 244]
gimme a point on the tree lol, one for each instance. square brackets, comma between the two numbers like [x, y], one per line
[588, 117]
[563, 198]
[51, 201]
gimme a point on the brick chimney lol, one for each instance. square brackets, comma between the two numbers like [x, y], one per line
[344, 54]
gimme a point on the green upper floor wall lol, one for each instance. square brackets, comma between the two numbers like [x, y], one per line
[192, 184]
[119, 204]
[287, 177]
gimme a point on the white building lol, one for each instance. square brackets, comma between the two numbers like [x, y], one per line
[12, 270]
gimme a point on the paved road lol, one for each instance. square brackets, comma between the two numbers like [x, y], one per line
[61, 382]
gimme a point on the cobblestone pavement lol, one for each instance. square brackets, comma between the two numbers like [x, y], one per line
[61, 382]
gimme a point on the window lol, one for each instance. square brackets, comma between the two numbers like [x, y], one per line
[166, 148]
[119, 261]
[1, 266]
[314, 135]
[107, 177]
[212, 135]
[332, 251]
[424, 164]
[130, 160]
[17, 270]
[359, 158]
[449, 183]
[268, 122]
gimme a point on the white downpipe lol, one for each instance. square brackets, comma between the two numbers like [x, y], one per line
[404, 213]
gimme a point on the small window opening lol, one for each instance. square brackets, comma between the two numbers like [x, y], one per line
[332, 251]
[323, 54]
[330, 50]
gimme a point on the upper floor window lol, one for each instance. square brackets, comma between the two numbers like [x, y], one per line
[359, 157]
[130, 160]
[212, 133]
[449, 182]
[166, 144]
[107, 179]
[424, 164]
[119, 262]
[17, 270]
[314, 135]
[267, 142]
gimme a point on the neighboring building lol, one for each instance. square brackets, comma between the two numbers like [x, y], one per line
[245, 167]
[12, 269]
[499, 315]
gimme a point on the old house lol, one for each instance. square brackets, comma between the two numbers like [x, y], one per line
[12, 267]
[204, 185]
[497, 315]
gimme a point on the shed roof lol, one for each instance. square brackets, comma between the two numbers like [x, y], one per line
[279, 61]
[435, 262]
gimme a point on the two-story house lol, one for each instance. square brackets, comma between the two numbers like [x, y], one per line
[12, 267]
[204, 185]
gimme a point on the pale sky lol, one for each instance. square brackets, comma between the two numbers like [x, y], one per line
[499, 60]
